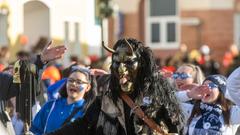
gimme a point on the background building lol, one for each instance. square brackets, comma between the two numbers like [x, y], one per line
[24, 22]
[165, 24]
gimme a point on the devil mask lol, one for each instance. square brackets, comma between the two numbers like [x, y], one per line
[124, 64]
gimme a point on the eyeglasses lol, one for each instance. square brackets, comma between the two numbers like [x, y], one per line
[181, 76]
[77, 82]
[212, 85]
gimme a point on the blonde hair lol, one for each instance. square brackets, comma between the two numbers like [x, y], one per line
[198, 75]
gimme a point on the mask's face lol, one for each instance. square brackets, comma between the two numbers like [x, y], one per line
[125, 67]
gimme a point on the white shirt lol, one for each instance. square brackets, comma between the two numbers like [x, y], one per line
[187, 110]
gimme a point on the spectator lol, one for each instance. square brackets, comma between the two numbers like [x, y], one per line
[213, 113]
[188, 74]
[76, 96]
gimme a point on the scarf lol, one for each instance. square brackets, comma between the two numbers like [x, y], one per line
[209, 123]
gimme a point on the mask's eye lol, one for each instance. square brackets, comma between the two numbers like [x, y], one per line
[116, 63]
[129, 62]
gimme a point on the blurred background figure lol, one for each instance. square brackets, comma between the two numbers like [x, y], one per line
[180, 57]
[207, 64]
[231, 59]
[4, 57]
[50, 75]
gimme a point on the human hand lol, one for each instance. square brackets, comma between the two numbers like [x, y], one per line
[188, 86]
[52, 53]
[198, 92]
[96, 72]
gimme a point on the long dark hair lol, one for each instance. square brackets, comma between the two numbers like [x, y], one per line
[221, 100]
[90, 96]
[149, 82]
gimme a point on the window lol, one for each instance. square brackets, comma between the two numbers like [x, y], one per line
[66, 31]
[162, 7]
[76, 32]
[3, 29]
[171, 32]
[162, 23]
[155, 35]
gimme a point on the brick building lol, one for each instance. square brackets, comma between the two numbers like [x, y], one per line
[165, 24]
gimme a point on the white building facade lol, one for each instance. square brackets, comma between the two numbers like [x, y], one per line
[69, 21]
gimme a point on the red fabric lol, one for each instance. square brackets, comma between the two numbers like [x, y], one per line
[201, 61]
[227, 59]
[94, 58]
[169, 68]
[1, 67]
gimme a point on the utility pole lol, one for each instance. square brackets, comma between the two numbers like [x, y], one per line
[103, 11]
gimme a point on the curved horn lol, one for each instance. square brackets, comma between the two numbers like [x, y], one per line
[129, 45]
[107, 48]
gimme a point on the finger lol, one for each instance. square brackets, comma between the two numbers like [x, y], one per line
[57, 50]
[187, 86]
[48, 45]
[60, 49]
[55, 58]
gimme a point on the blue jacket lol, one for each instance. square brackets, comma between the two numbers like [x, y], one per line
[53, 114]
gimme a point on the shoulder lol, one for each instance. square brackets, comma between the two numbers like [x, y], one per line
[50, 103]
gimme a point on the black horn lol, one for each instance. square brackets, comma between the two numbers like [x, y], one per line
[107, 48]
[129, 45]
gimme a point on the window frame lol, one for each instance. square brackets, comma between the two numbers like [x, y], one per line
[163, 20]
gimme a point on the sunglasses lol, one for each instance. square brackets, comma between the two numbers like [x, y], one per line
[181, 76]
[76, 82]
[212, 85]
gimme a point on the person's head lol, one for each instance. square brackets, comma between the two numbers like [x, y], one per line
[4, 53]
[188, 74]
[8, 70]
[205, 50]
[23, 55]
[132, 63]
[217, 89]
[234, 50]
[78, 83]
[74, 59]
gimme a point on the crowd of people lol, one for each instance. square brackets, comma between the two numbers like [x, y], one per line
[130, 93]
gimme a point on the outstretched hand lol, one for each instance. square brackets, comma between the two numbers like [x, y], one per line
[52, 53]
[188, 86]
[198, 92]
[98, 72]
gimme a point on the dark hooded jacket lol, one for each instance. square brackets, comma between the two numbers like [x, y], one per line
[7, 88]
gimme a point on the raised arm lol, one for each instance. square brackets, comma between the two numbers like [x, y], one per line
[233, 87]
[50, 53]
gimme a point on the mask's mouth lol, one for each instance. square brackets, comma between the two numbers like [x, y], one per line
[126, 84]
[123, 80]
